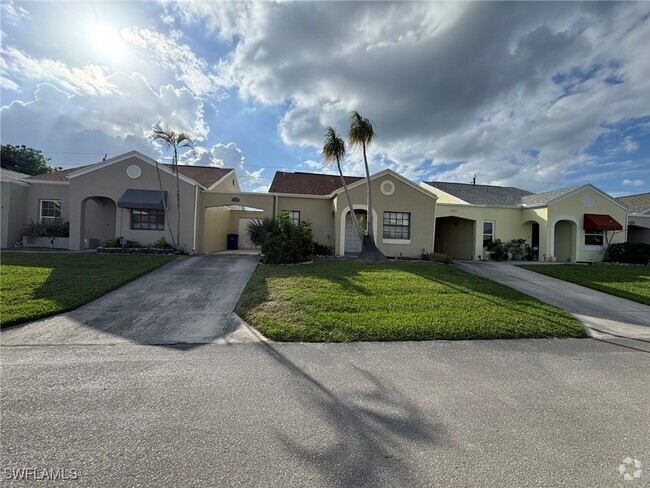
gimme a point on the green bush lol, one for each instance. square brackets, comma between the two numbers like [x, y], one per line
[116, 243]
[323, 250]
[438, 257]
[628, 252]
[288, 243]
[258, 230]
[55, 228]
[161, 244]
[498, 251]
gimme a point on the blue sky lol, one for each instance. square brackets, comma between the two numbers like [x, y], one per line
[534, 95]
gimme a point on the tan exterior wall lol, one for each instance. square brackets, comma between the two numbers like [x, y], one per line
[573, 209]
[14, 208]
[47, 191]
[213, 199]
[111, 182]
[228, 185]
[215, 230]
[318, 212]
[443, 197]
[405, 198]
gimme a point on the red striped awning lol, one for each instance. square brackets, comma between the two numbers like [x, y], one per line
[601, 222]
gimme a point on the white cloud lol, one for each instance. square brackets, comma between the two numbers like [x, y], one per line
[90, 79]
[12, 13]
[179, 58]
[633, 182]
[630, 145]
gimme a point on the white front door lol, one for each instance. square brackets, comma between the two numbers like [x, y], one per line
[352, 240]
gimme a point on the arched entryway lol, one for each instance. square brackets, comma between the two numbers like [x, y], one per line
[349, 240]
[564, 239]
[97, 221]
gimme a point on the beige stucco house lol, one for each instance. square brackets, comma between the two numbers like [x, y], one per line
[121, 197]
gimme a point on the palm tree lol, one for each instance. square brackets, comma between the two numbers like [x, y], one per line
[361, 134]
[334, 150]
[172, 140]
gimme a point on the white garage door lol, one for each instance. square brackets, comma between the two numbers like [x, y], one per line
[244, 241]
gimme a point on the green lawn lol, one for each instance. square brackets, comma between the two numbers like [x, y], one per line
[342, 301]
[631, 282]
[35, 285]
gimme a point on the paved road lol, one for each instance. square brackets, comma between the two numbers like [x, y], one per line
[601, 314]
[478, 414]
[189, 300]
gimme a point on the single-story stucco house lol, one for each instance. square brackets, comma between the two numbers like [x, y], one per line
[121, 197]
[638, 217]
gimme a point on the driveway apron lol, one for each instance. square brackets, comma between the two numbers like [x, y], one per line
[188, 301]
[602, 315]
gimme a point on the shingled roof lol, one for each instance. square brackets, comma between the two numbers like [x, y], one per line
[7, 174]
[547, 197]
[482, 194]
[204, 175]
[639, 204]
[308, 183]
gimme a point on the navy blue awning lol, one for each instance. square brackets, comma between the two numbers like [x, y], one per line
[142, 199]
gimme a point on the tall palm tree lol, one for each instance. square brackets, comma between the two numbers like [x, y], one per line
[175, 141]
[334, 150]
[361, 134]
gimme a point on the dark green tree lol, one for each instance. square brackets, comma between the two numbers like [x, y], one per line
[24, 160]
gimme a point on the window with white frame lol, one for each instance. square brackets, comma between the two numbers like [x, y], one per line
[594, 238]
[488, 232]
[397, 225]
[147, 219]
[294, 215]
[50, 211]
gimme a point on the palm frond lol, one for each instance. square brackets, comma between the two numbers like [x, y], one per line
[334, 147]
[361, 131]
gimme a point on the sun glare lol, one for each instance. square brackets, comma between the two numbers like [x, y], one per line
[106, 40]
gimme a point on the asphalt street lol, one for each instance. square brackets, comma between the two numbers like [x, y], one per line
[519, 413]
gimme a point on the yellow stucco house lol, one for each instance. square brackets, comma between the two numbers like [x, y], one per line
[572, 224]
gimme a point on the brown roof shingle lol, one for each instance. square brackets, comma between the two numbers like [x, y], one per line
[204, 175]
[308, 183]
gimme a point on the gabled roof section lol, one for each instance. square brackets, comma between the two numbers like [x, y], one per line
[482, 194]
[8, 174]
[308, 183]
[547, 197]
[397, 176]
[636, 204]
[204, 175]
[60, 176]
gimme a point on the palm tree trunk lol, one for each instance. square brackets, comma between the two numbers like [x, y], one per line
[178, 201]
[369, 249]
[162, 196]
[355, 220]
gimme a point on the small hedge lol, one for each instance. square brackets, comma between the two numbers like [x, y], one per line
[628, 252]
[437, 257]
[287, 242]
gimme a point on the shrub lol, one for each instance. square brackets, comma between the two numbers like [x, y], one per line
[162, 244]
[116, 243]
[259, 230]
[438, 257]
[54, 228]
[323, 250]
[288, 243]
[34, 230]
[628, 252]
[498, 251]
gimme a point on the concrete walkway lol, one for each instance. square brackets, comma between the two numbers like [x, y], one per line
[188, 301]
[602, 315]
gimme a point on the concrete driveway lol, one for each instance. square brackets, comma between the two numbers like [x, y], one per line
[188, 301]
[601, 314]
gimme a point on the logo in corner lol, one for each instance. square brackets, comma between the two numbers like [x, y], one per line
[630, 469]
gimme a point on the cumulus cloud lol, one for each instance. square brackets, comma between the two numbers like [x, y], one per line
[112, 123]
[191, 70]
[453, 88]
[633, 182]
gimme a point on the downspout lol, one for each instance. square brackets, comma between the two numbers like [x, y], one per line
[196, 210]
[275, 206]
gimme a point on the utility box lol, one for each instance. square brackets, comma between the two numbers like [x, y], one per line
[233, 241]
